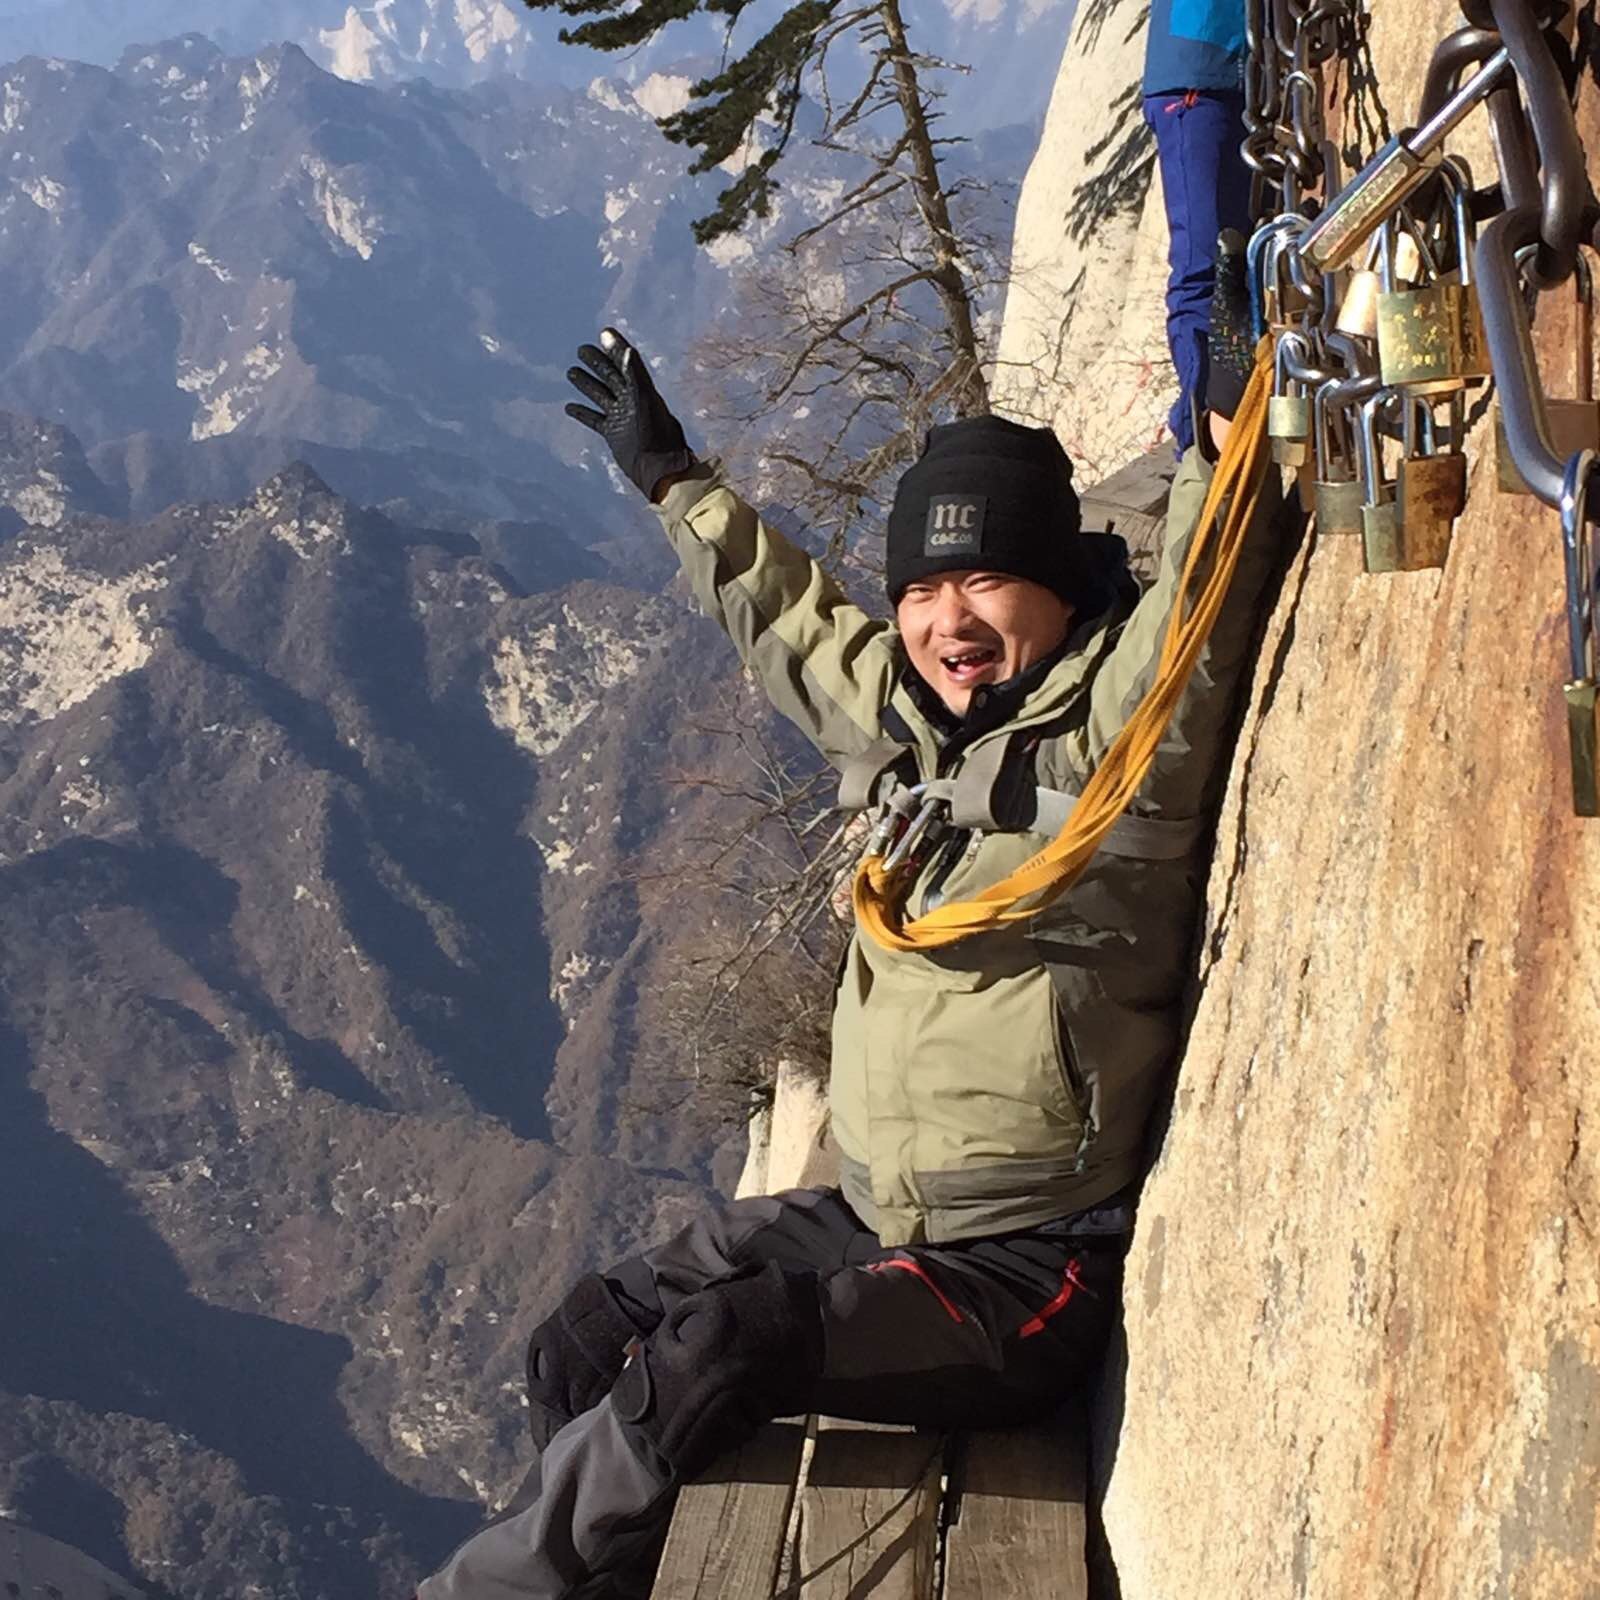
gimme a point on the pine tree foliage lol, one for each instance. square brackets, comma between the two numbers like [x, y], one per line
[766, 79]
[721, 119]
[876, 320]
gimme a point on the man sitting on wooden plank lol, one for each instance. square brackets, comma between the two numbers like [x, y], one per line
[989, 1099]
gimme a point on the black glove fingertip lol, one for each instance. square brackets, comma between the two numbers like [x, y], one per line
[602, 366]
[590, 419]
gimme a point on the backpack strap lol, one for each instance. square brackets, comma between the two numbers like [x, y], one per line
[991, 792]
[860, 777]
[1139, 838]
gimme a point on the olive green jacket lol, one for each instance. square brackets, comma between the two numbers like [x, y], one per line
[1006, 1080]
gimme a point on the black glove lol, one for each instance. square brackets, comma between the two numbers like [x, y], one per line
[646, 439]
[1232, 343]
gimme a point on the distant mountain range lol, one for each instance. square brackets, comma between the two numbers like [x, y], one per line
[1012, 45]
[345, 709]
[231, 251]
[323, 964]
[217, 265]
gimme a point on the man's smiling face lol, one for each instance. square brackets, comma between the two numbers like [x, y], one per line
[962, 629]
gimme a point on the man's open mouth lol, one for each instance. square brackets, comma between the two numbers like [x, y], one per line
[965, 665]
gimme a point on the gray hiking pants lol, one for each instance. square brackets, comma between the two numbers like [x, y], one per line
[982, 1333]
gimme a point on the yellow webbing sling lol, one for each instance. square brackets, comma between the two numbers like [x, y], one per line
[1113, 784]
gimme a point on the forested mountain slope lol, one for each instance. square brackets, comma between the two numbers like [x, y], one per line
[323, 961]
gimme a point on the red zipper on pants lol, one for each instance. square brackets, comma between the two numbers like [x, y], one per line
[906, 1264]
[1070, 1284]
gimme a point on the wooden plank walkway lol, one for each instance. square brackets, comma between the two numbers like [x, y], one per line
[890, 1513]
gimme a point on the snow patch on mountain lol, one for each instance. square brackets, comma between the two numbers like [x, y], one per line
[393, 38]
[254, 83]
[43, 502]
[353, 49]
[344, 215]
[488, 27]
[605, 93]
[730, 250]
[11, 108]
[66, 631]
[45, 193]
[203, 258]
[544, 684]
[663, 94]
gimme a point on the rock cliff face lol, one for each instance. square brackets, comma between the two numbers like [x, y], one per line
[1363, 1306]
[1083, 345]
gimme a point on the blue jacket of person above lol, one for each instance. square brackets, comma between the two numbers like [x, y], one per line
[1195, 44]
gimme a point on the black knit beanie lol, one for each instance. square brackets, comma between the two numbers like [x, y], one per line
[996, 496]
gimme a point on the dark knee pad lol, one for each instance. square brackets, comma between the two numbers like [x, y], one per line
[574, 1357]
[724, 1361]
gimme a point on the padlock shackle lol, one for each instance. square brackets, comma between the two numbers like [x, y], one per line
[1319, 426]
[1415, 407]
[1388, 249]
[1260, 241]
[1294, 357]
[1456, 176]
[1582, 582]
[1583, 334]
[1354, 353]
[1372, 479]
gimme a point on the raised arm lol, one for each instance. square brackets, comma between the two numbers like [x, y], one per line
[823, 662]
[1181, 779]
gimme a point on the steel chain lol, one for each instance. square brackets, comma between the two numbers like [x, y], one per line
[1390, 306]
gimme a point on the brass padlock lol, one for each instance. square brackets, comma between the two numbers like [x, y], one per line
[1288, 414]
[1583, 733]
[1380, 534]
[1358, 311]
[1574, 422]
[1284, 302]
[1430, 338]
[1430, 491]
[1336, 499]
[1581, 693]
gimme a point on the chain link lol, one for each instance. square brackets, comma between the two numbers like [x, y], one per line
[1371, 342]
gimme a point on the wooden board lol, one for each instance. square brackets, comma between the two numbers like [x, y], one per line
[1133, 503]
[728, 1529]
[1018, 1519]
[1142, 485]
[869, 1514]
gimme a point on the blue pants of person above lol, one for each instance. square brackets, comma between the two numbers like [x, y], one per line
[1206, 186]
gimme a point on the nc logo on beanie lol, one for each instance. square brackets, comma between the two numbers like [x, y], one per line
[996, 496]
[954, 526]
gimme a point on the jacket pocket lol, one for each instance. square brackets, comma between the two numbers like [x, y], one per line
[1070, 1075]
